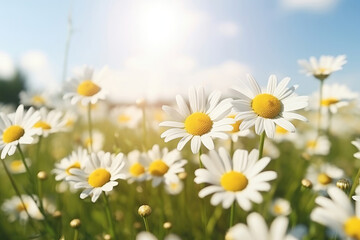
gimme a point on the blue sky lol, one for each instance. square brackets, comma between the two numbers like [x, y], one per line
[212, 43]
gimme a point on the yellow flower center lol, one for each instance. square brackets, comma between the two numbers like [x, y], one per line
[233, 181]
[236, 125]
[69, 122]
[311, 144]
[13, 133]
[88, 142]
[198, 123]
[266, 105]
[74, 165]
[324, 179]
[16, 165]
[38, 99]
[278, 209]
[124, 118]
[22, 207]
[88, 88]
[280, 130]
[352, 227]
[158, 168]
[99, 177]
[43, 125]
[137, 169]
[329, 101]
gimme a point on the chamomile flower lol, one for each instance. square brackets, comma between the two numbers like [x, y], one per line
[323, 176]
[35, 99]
[17, 166]
[50, 122]
[16, 210]
[17, 129]
[164, 165]
[317, 145]
[235, 133]
[200, 122]
[129, 117]
[267, 108]
[100, 174]
[357, 192]
[150, 236]
[323, 67]
[97, 140]
[174, 188]
[280, 207]
[356, 143]
[337, 213]
[281, 134]
[85, 87]
[136, 166]
[76, 159]
[257, 229]
[238, 179]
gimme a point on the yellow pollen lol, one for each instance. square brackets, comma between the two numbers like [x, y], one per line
[281, 130]
[233, 181]
[352, 227]
[99, 177]
[158, 168]
[278, 209]
[16, 165]
[137, 169]
[329, 101]
[123, 118]
[266, 105]
[88, 88]
[311, 144]
[74, 165]
[38, 99]
[198, 123]
[236, 125]
[21, 207]
[13, 133]
[324, 179]
[43, 125]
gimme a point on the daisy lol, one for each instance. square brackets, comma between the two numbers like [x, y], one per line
[35, 98]
[129, 117]
[267, 108]
[280, 207]
[281, 134]
[338, 214]
[50, 122]
[357, 192]
[17, 166]
[318, 145]
[356, 143]
[257, 229]
[96, 142]
[150, 236]
[324, 176]
[238, 179]
[17, 210]
[99, 174]
[174, 188]
[76, 159]
[164, 165]
[136, 167]
[235, 133]
[323, 67]
[199, 122]
[17, 129]
[85, 87]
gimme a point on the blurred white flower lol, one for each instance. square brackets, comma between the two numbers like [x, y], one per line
[323, 176]
[280, 207]
[129, 116]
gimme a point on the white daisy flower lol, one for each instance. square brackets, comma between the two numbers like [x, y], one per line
[323, 67]
[17, 129]
[100, 174]
[257, 229]
[50, 122]
[357, 192]
[323, 176]
[99, 110]
[356, 143]
[70, 117]
[280, 207]
[17, 166]
[174, 188]
[164, 165]
[76, 159]
[150, 236]
[97, 140]
[35, 98]
[129, 117]
[17, 210]
[281, 134]
[200, 122]
[338, 214]
[136, 166]
[266, 109]
[235, 133]
[85, 87]
[238, 179]
[317, 145]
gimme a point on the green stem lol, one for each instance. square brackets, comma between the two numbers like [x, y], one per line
[261, 144]
[355, 183]
[320, 107]
[40, 193]
[38, 151]
[24, 162]
[200, 163]
[108, 215]
[231, 147]
[76, 234]
[232, 215]
[144, 127]
[146, 224]
[90, 127]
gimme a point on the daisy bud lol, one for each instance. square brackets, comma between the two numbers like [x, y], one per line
[57, 214]
[42, 175]
[107, 237]
[167, 225]
[75, 223]
[306, 183]
[144, 210]
[343, 184]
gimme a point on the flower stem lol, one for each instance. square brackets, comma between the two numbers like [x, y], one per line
[320, 107]
[146, 223]
[355, 183]
[76, 234]
[200, 163]
[90, 127]
[22, 156]
[232, 214]
[231, 147]
[261, 144]
[108, 215]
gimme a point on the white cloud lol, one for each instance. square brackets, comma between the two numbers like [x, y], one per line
[312, 5]
[7, 66]
[162, 79]
[228, 29]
